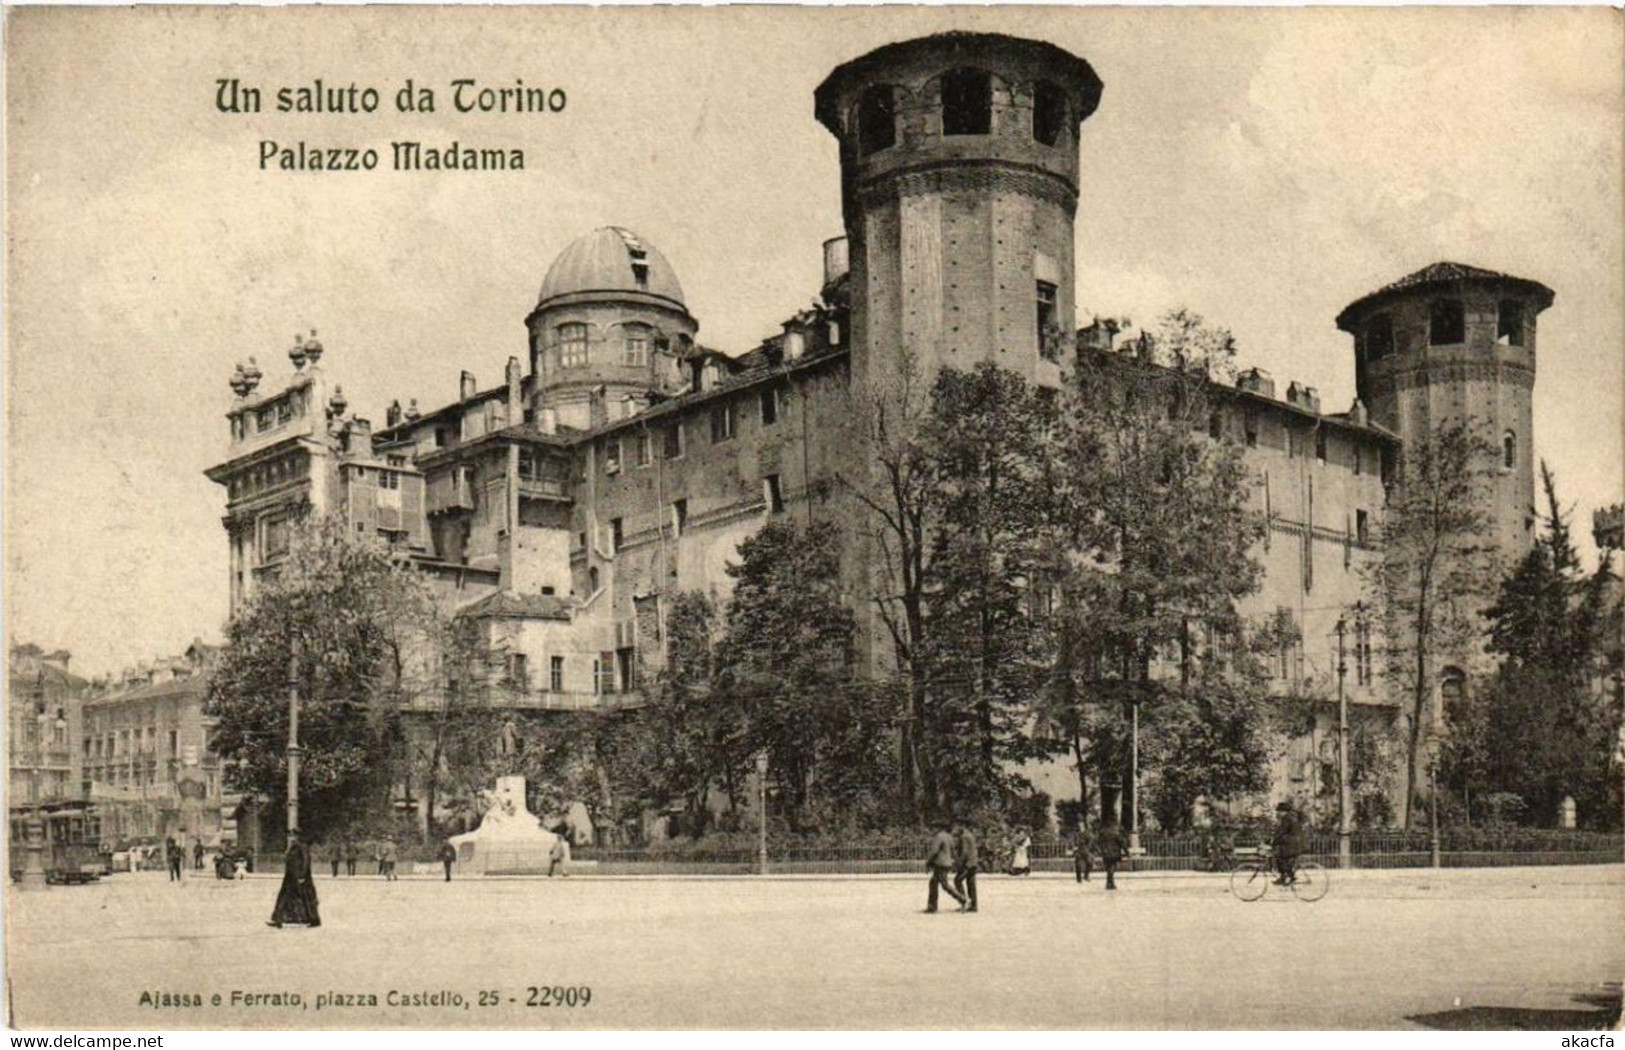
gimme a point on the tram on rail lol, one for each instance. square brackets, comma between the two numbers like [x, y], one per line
[73, 841]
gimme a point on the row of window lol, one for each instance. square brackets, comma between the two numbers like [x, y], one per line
[267, 417]
[267, 475]
[575, 347]
[724, 427]
[967, 109]
[130, 741]
[1447, 326]
[612, 672]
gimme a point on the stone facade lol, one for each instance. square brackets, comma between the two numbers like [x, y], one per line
[565, 507]
[147, 763]
[43, 714]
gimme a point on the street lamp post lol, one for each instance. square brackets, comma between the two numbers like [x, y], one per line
[1433, 797]
[1134, 781]
[33, 873]
[294, 750]
[761, 812]
[1345, 853]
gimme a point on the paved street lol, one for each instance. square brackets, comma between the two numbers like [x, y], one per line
[1532, 946]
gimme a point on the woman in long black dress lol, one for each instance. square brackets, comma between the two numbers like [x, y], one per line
[296, 901]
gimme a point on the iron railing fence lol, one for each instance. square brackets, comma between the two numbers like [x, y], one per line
[1160, 851]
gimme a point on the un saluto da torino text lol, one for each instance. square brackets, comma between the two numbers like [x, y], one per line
[467, 95]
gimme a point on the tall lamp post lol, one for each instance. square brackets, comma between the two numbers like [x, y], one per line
[1345, 854]
[1433, 796]
[33, 872]
[294, 750]
[1134, 781]
[761, 812]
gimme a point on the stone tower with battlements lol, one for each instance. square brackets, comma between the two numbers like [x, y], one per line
[1456, 342]
[959, 176]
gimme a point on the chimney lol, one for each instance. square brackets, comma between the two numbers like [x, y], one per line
[465, 386]
[1358, 414]
[516, 407]
[1309, 398]
[1256, 381]
[548, 420]
[392, 414]
[412, 414]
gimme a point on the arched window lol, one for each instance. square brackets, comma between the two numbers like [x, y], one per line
[1447, 322]
[967, 102]
[1509, 322]
[572, 345]
[1452, 692]
[1509, 450]
[592, 580]
[877, 120]
[1049, 112]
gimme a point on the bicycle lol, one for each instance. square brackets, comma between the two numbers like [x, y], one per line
[1253, 876]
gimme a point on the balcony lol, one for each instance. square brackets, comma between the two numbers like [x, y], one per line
[542, 488]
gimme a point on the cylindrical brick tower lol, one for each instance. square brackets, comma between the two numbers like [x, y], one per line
[959, 173]
[1456, 342]
[609, 328]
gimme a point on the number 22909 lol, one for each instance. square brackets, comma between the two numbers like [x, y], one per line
[558, 995]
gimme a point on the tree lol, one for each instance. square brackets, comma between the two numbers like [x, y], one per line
[340, 619]
[1158, 552]
[896, 492]
[1430, 577]
[1543, 730]
[987, 647]
[785, 662]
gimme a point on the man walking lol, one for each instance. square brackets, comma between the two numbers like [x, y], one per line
[335, 855]
[939, 860]
[197, 854]
[1083, 852]
[448, 857]
[1111, 851]
[350, 853]
[172, 854]
[388, 863]
[968, 859]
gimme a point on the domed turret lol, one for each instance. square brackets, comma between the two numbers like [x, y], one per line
[611, 261]
[610, 327]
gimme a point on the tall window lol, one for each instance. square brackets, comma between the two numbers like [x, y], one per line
[604, 675]
[770, 406]
[1447, 322]
[555, 674]
[1045, 298]
[635, 349]
[679, 516]
[1509, 450]
[645, 447]
[724, 422]
[773, 494]
[877, 120]
[1320, 444]
[1250, 425]
[1379, 337]
[1362, 526]
[612, 454]
[1049, 112]
[572, 345]
[674, 441]
[967, 102]
[1509, 322]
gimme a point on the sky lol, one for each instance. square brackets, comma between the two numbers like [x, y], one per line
[1262, 167]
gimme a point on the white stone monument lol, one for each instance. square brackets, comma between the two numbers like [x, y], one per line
[509, 838]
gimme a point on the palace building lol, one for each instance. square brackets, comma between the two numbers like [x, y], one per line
[619, 460]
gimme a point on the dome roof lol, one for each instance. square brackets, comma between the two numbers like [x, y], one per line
[611, 259]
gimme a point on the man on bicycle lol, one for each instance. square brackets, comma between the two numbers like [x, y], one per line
[1287, 843]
